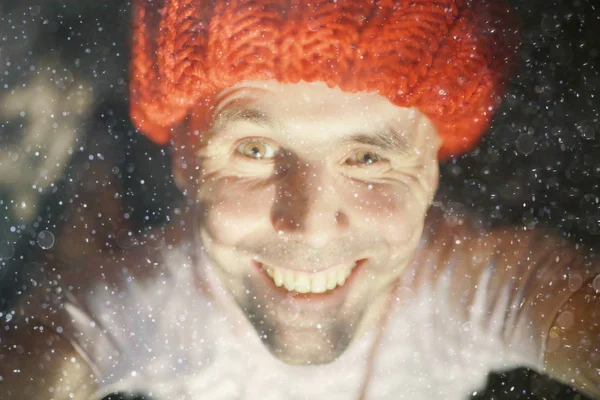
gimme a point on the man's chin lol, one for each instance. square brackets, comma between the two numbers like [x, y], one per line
[302, 329]
[307, 346]
[302, 332]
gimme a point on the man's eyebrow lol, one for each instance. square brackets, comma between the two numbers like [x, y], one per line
[241, 113]
[387, 139]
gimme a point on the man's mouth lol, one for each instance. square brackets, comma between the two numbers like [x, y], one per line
[306, 282]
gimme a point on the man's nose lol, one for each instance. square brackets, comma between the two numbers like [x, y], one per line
[308, 207]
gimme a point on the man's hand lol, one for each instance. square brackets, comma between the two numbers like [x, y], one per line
[36, 363]
[532, 287]
[573, 345]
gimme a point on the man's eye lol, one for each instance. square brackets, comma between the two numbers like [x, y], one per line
[256, 149]
[364, 158]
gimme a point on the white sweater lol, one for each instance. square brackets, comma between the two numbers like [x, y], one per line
[167, 339]
[450, 324]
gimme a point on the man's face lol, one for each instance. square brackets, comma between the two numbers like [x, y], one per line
[311, 203]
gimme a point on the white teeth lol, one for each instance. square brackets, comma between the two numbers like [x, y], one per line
[278, 278]
[289, 281]
[318, 284]
[331, 282]
[303, 282]
[341, 278]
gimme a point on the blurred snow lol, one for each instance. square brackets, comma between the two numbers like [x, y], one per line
[48, 113]
[60, 63]
[68, 147]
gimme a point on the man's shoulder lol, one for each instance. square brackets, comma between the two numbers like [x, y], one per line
[70, 298]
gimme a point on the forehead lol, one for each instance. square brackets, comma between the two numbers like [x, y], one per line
[312, 109]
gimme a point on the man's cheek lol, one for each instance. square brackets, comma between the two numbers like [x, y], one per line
[398, 218]
[401, 229]
[383, 204]
[230, 214]
[375, 201]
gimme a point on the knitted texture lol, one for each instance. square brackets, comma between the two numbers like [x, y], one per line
[448, 58]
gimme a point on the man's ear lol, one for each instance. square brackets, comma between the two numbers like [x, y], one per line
[432, 174]
[184, 162]
[180, 168]
[433, 177]
[187, 139]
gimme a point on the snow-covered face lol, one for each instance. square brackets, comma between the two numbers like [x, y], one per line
[311, 203]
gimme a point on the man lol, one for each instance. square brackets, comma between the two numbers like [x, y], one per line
[308, 260]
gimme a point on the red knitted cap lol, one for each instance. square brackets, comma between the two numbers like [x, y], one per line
[449, 58]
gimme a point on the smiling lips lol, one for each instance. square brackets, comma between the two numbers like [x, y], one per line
[304, 282]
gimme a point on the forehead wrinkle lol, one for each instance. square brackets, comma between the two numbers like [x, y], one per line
[239, 111]
[387, 139]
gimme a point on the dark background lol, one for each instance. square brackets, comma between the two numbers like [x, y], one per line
[539, 164]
